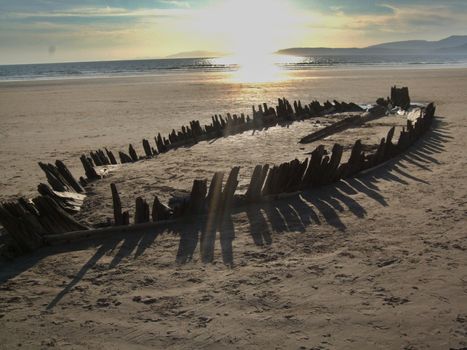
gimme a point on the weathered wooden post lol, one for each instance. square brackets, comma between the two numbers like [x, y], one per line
[313, 166]
[229, 189]
[159, 211]
[215, 193]
[355, 161]
[400, 97]
[147, 148]
[22, 226]
[117, 205]
[103, 158]
[68, 176]
[141, 211]
[133, 154]
[336, 157]
[198, 197]
[54, 219]
[296, 175]
[54, 178]
[89, 170]
[95, 159]
[253, 192]
[124, 158]
[389, 148]
[111, 156]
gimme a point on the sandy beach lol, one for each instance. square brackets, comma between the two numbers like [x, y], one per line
[374, 262]
[62, 119]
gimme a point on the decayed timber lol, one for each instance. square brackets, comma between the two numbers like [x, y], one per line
[215, 193]
[120, 218]
[64, 189]
[53, 218]
[124, 158]
[147, 148]
[69, 201]
[227, 195]
[197, 203]
[68, 176]
[256, 184]
[318, 160]
[133, 154]
[73, 236]
[400, 97]
[355, 161]
[346, 123]
[333, 165]
[54, 178]
[27, 222]
[22, 226]
[111, 157]
[141, 211]
[221, 126]
[331, 129]
[296, 171]
[160, 212]
[89, 170]
[311, 174]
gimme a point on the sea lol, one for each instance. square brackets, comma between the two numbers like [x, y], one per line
[73, 70]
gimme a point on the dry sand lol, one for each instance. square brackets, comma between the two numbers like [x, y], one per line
[46, 120]
[171, 174]
[377, 262]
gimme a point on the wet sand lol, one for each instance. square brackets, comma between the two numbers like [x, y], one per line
[374, 262]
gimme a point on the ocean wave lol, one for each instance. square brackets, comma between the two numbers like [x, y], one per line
[141, 67]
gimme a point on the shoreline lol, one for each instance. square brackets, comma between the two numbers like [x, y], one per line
[221, 71]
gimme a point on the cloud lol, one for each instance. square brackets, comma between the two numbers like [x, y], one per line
[125, 29]
[176, 3]
[93, 12]
[356, 7]
[403, 20]
[407, 19]
[88, 32]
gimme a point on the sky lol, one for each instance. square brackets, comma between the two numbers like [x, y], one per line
[36, 31]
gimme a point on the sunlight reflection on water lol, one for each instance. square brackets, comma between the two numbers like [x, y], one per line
[257, 69]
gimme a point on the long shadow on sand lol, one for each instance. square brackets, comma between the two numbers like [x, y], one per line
[293, 214]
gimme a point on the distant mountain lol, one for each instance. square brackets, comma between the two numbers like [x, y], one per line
[456, 49]
[404, 45]
[452, 41]
[197, 54]
[452, 44]
[312, 51]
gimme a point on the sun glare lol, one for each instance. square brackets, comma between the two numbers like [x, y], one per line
[253, 26]
[251, 30]
[256, 68]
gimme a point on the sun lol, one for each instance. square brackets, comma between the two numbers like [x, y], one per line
[250, 31]
[249, 27]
